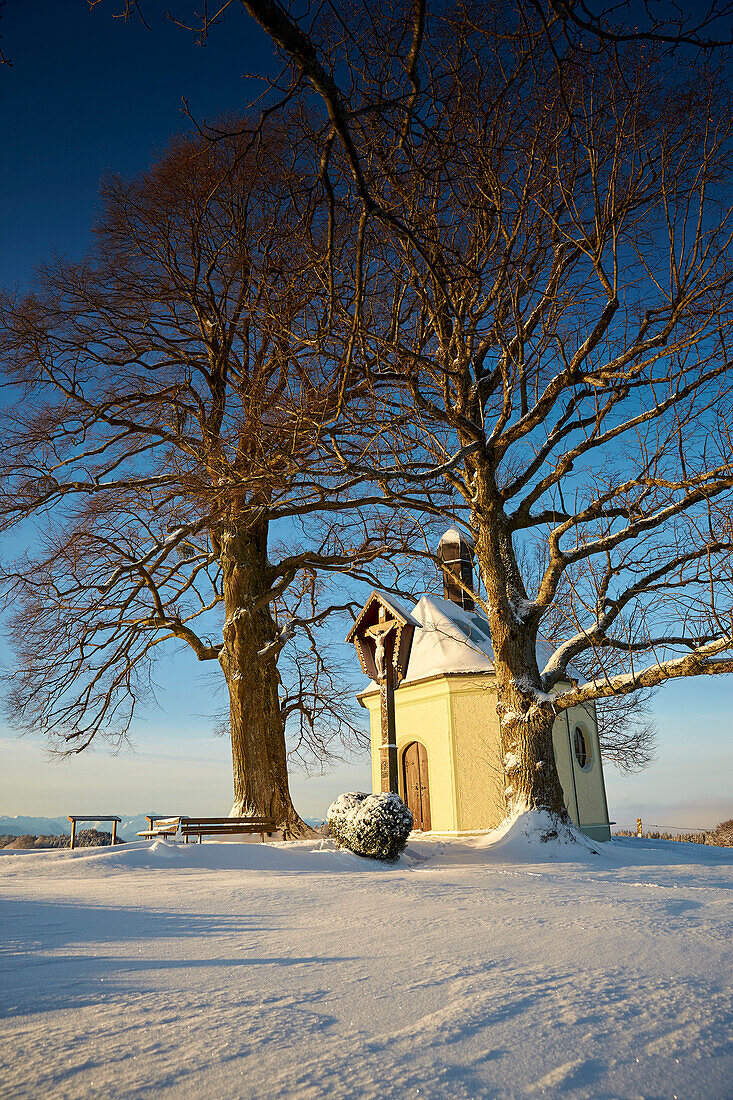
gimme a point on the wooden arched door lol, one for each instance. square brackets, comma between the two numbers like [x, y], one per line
[415, 784]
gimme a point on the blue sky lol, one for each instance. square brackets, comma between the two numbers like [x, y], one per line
[86, 94]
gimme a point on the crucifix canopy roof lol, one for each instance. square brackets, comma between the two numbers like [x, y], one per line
[382, 608]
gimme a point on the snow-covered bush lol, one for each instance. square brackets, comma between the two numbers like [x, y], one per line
[373, 825]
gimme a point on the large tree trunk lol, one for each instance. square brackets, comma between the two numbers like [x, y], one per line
[526, 725]
[529, 758]
[259, 754]
[525, 713]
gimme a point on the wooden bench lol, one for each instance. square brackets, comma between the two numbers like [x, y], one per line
[160, 826]
[73, 818]
[225, 826]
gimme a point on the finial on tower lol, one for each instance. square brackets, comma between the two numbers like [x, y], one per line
[455, 551]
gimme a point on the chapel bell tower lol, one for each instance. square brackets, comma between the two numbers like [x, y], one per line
[455, 552]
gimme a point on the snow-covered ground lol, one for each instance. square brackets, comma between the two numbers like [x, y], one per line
[466, 970]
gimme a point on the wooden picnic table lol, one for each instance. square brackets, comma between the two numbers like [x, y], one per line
[73, 818]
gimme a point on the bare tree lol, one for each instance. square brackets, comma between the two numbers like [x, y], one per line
[627, 731]
[702, 27]
[544, 275]
[168, 413]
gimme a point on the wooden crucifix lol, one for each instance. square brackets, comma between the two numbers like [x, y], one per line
[382, 634]
[385, 670]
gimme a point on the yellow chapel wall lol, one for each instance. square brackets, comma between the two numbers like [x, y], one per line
[422, 713]
[564, 765]
[477, 748]
[589, 788]
[464, 772]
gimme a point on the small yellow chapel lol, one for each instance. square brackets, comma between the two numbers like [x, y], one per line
[446, 728]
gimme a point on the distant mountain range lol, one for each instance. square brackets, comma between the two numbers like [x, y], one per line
[58, 826]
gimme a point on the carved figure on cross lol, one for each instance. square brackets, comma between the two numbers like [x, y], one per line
[379, 633]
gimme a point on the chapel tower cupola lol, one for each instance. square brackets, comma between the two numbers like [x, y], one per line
[455, 551]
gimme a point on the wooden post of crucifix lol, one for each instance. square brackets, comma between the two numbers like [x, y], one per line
[383, 634]
[385, 668]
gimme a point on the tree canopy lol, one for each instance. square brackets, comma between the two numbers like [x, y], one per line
[171, 398]
[545, 287]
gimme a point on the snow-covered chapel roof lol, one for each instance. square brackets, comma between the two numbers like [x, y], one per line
[448, 639]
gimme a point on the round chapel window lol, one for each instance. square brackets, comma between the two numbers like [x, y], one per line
[581, 747]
